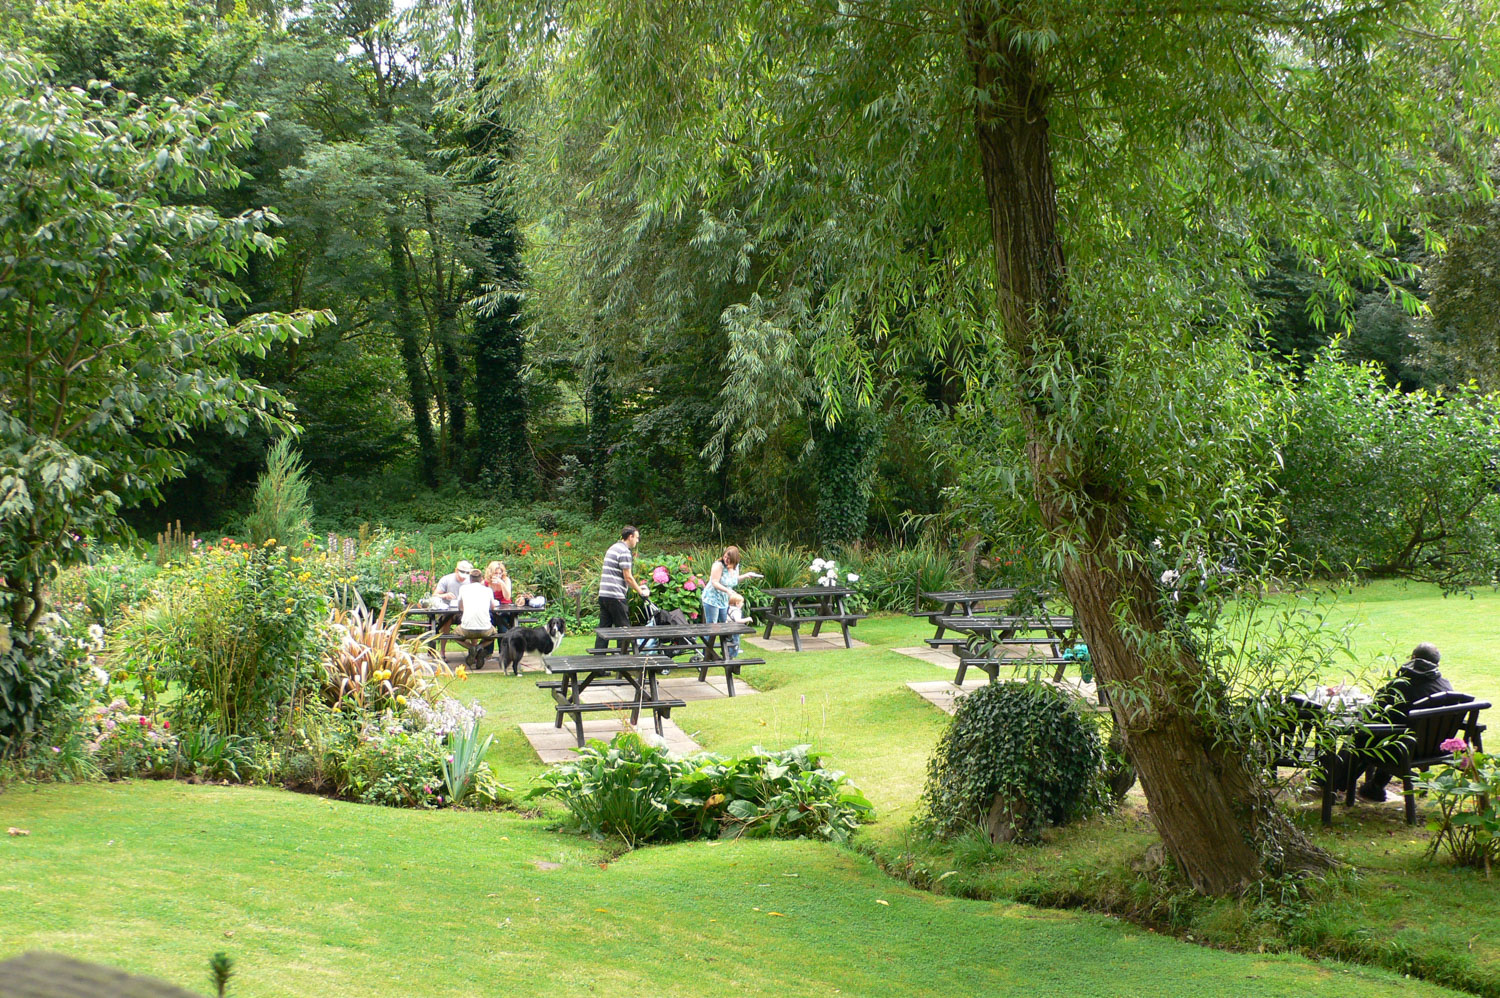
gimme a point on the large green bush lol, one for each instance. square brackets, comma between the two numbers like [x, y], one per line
[1018, 756]
[238, 631]
[1393, 483]
[44, 678]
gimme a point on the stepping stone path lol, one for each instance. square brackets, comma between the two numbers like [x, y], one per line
[554, 744]
[944, 695]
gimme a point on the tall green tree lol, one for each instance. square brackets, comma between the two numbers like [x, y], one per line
[1092, 186]
[112, 296]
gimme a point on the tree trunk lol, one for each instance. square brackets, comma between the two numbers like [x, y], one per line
[453, 378]
[1214, 816]
[411, 354]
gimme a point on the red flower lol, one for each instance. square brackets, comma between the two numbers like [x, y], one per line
[549, 544]
[166, 725]
[554, 533]
[567, 544]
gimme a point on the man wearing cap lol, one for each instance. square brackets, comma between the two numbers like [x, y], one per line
[446, 593]
[1417, 680]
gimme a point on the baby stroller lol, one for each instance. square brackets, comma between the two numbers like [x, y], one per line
[657, 617]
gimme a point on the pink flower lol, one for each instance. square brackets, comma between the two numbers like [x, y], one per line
[659, 575]
[1454, 745]
[689, 585]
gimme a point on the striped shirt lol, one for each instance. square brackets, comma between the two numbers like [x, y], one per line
[617, 561]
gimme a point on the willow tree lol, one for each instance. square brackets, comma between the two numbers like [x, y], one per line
[1073, 196]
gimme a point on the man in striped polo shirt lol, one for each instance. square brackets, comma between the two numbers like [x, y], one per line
[615, 579]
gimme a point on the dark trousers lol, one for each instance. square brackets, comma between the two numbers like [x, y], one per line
[612, 613]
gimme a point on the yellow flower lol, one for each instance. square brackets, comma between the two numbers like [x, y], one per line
[401, 700]
[304, 576]
[296, 559]
[270, 542]
[461, 672]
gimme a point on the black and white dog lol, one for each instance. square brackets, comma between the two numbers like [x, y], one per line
[517, 641]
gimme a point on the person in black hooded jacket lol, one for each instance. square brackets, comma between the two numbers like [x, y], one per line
[1417, 680]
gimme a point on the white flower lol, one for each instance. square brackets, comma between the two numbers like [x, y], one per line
[829, 564]
[1170, 577]
[96, 632]
[816, 566]
[852, 577]
[100, 676]
[1156, 544]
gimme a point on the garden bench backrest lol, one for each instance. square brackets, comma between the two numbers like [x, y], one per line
[1430, 726]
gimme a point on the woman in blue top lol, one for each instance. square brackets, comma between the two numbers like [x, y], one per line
[719, 594]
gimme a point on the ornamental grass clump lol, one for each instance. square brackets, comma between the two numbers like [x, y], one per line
[1019, 756]
[371, 665]
[1467, 792]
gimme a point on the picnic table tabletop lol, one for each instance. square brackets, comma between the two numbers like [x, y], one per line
[970, 595]
[645, 633]
[574, 664]
[807, 592]
[995, 623]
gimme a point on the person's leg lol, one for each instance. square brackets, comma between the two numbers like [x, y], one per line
[612, 613]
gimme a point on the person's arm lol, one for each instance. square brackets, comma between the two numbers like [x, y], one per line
[716, 576]
[630, 579]
[505, 589]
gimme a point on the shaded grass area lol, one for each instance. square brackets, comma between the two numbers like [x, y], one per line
[314, 897]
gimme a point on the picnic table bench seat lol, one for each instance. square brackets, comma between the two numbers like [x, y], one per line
[660, 708]
[992, 664]
[793, 621]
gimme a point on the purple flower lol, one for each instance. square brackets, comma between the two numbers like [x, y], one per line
[689, 585]
[659, 575]
[1454, 745]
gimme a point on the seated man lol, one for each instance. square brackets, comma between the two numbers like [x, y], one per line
[476, 600]
[1417, 680]
[445, 593]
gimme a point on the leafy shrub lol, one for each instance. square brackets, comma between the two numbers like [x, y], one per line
[639, 791]
[124, 743]
[1026, 745]
[624, 788]
[1391, 482]
[211, 755]
[894, 578]
[103, 590]
[395, 767]
[240, 632]
[774, 794]
[44, 679]
[1467, 792]
[783, 565]
[281, 509]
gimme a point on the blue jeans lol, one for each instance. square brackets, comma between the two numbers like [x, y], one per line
[720, 615]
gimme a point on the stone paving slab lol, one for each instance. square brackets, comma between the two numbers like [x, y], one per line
[941, 657]
[944, 694]
[554, 744]
[823, 642]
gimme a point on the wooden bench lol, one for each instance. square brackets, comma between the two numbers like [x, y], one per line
[844, 620]
[660, 707]
[958, 642]
[991, 665]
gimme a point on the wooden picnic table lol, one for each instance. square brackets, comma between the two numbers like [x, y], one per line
[710, 641]
[1057, 631]
[827, 605]
[634, 676]
[960, 603]
[433, 620]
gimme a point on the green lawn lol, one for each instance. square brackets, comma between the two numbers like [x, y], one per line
[315, 897]
[320, 897]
